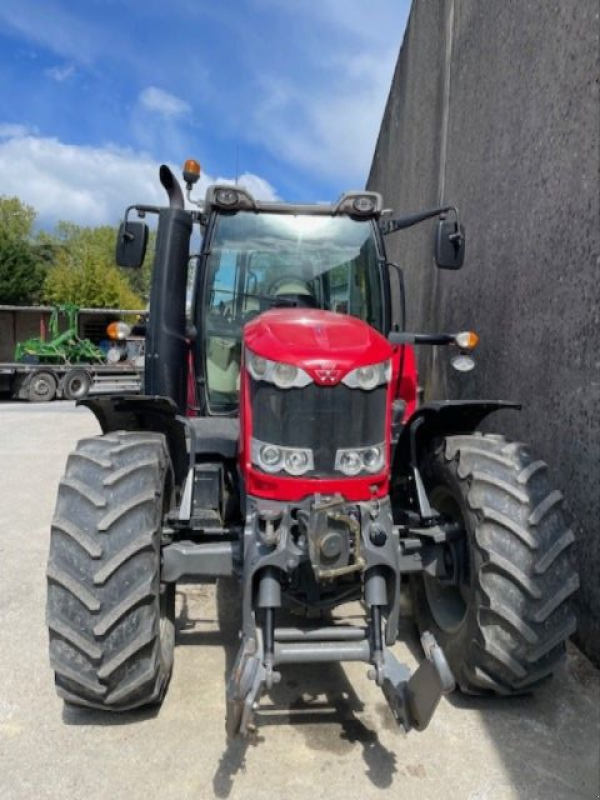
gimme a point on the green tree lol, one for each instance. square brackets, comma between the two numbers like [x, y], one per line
[23, 262]
[22, 272]
[84, 271]
[16, 218]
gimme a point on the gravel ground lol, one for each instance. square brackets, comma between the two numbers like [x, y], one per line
[324, 733]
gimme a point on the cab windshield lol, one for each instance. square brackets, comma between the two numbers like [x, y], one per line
[262, 261]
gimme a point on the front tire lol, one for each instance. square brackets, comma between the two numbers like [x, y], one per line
[503, 626]
[111, 622]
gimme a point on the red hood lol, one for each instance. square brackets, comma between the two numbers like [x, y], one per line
[326, 345]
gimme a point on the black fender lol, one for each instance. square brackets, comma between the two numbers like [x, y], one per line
[144, 413]
[437, 419]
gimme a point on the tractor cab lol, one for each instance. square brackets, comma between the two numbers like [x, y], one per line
[278, 257]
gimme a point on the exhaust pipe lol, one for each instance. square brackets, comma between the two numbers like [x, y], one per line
[165, 372]
[171, 186]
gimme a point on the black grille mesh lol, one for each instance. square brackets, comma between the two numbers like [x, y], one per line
[324, 418]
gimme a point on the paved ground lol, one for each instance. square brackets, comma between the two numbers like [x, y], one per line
[326, 734]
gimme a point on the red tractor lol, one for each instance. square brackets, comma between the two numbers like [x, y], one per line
[279, 449]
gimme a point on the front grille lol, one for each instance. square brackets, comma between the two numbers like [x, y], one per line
[323, 418]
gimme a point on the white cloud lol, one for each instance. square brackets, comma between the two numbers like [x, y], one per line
[259, 188]
[326, 120]
[168, 105]
[87, 185]
[61, 74]
[313, 99]
[9, 130]
[333, 134]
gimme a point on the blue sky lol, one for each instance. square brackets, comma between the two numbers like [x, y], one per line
[95, 94]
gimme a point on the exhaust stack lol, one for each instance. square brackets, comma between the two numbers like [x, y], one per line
[166, 349]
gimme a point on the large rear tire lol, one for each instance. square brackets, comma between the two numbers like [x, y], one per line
[504, 625]
[110, 620]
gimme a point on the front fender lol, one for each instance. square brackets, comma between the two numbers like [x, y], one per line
[444, 418]
[144, 413]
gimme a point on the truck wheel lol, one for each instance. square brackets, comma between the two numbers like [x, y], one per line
[42, 387]
[504, 621]
[76, 384]
[110, 620]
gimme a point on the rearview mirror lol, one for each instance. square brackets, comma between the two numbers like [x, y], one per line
[131, 244]
[449, 245]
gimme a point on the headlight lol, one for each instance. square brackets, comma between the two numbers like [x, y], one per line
[270, 457]
[284, 376]
[273, 458]
[226, 197]
[349, 462]
[297, 462]
[354, 460]
[364, 204]
[257, 366]
[369, 377]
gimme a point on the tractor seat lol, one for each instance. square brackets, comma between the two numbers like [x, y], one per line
[219, 435]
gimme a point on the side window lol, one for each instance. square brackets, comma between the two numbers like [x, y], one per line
[354, 287]
[369, 284]
[222, 285]
[222, 341]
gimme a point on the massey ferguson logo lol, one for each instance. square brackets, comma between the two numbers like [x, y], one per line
[328, 374]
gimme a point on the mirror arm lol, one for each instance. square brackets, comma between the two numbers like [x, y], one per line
[141, 211]
[397, 337]
[393, 225]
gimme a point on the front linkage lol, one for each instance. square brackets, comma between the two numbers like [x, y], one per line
[329, 538]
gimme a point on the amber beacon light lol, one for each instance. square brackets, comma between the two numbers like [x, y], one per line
[191, 172]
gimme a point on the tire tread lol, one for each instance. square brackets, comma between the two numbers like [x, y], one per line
[523, 578]
[108, 646]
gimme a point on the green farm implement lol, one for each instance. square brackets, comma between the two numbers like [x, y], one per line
[61, 348]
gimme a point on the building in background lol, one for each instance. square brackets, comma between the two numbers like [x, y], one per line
[495, 107]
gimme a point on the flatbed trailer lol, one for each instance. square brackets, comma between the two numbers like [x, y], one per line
[41, 383]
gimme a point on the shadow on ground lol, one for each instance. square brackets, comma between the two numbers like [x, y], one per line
[318, 700]
[322, 705]
[525, 730]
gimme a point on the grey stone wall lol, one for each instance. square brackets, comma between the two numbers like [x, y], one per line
[495, 106]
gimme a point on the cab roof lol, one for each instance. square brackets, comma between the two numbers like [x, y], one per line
[230, 198]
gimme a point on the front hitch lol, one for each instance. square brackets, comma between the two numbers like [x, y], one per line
[271, 555]
[414, 699]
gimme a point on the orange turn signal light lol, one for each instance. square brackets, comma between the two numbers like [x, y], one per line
[467, 340]
[118, 330]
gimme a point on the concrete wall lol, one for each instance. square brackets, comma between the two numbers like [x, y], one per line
[495, 106]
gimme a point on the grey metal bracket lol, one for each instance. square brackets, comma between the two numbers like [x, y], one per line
[413, 699]
[244, 688]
